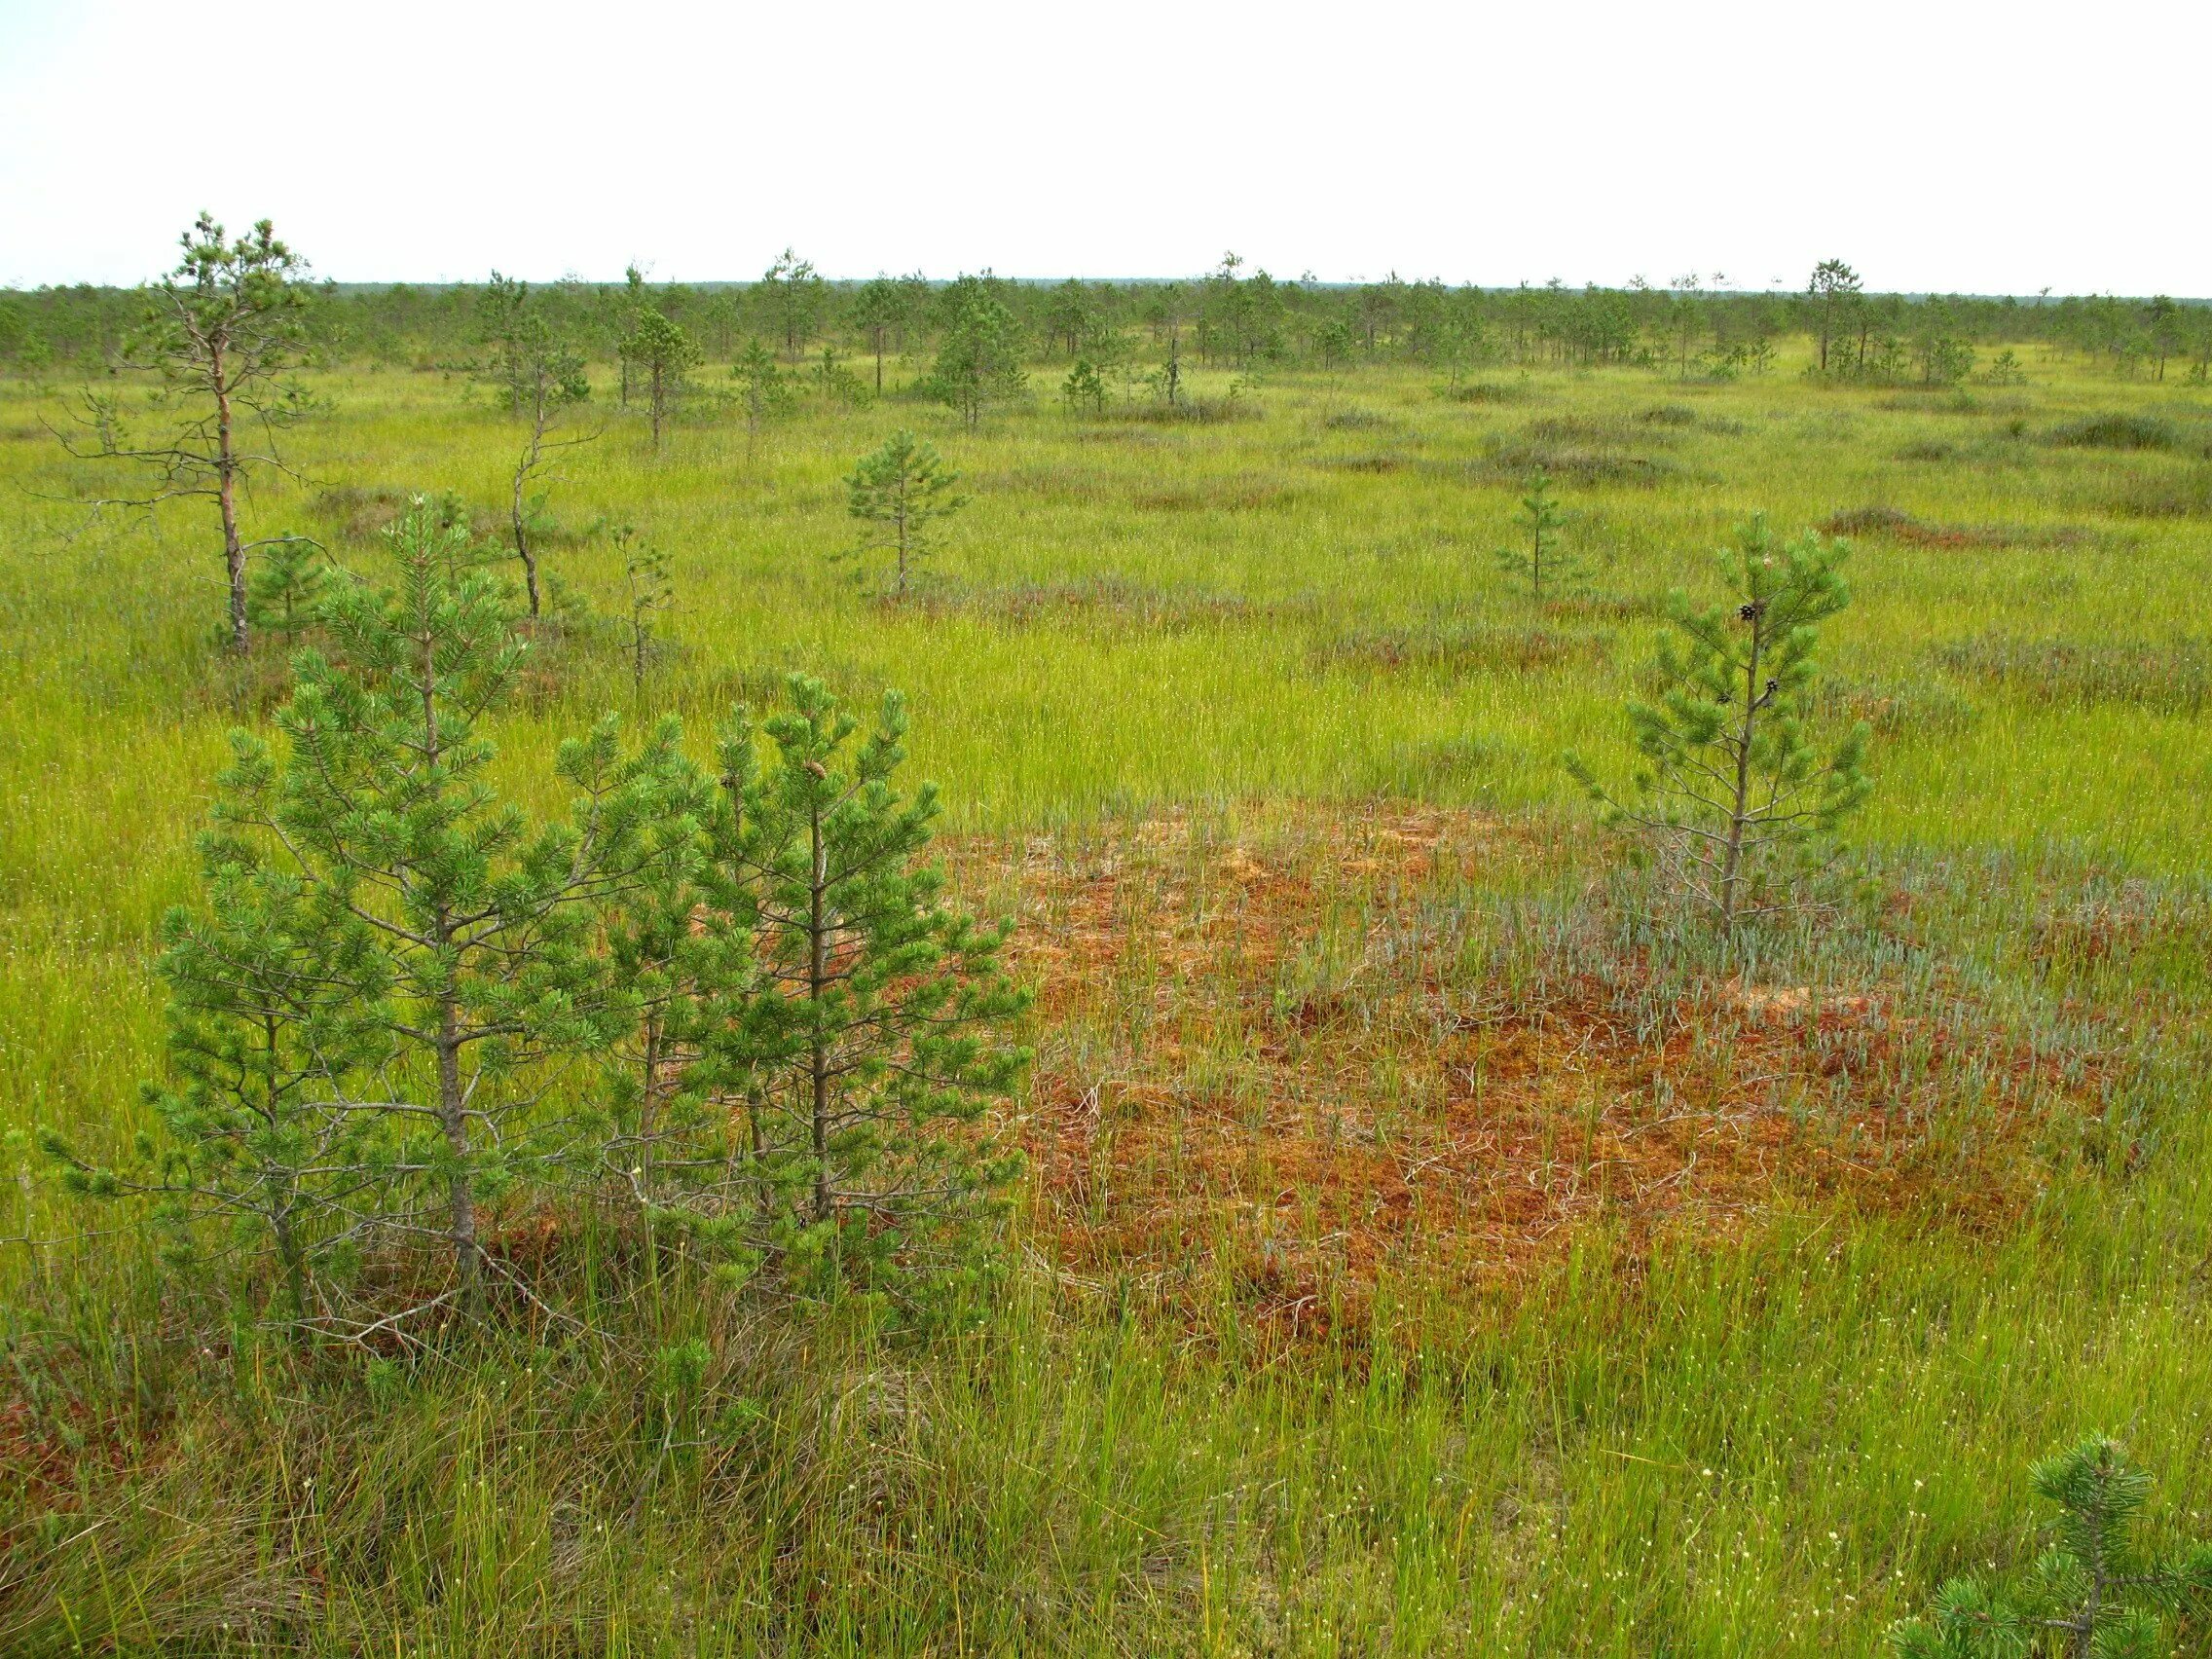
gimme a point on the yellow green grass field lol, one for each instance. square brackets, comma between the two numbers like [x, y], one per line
[1433, 1240]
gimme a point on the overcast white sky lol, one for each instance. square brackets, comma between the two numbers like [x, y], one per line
[1936, 144]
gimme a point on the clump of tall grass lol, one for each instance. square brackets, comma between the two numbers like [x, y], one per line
[2117, 431]
[2171, 677]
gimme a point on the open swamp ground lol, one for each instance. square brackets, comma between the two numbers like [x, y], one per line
[1432, 1241]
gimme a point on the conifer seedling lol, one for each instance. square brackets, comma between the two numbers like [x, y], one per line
[2096, 1593]
[901, 495]
[1730, 781]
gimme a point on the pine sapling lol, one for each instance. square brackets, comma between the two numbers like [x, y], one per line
[872, 1046]
[381, 807]
[901, 495]
[678, 945]
[1729, 779]
[2094, 1592]
[284, 594]
[226, 331]
[1086, 385]
[644, 569]
[665, 355]
[763, 391]
[277, 1000]
[1540, 561]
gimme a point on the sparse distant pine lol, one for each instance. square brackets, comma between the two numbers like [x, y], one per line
[1540, 559]
[978, 360]
[762, 388]
[651, 591]
[663, 355]
[879, 310]
[1086, 385]
[901, 495]
[1730, 781]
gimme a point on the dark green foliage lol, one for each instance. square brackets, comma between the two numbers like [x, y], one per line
[979, 357]
[1730, 780]
[869, 1045]
[901, 493]
[471, 927]
[287, 588]
[2094, 1592]
[664, 355]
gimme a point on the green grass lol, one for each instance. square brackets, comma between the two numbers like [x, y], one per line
[1773, 1440]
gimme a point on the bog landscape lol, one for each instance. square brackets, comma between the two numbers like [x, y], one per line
[1216, 966]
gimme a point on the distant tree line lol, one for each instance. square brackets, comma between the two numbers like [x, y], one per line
[1231, 318]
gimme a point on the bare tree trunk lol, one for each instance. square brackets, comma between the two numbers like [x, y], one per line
[818, 977]
[453, 1102]
[522, 538]
[226, 496]
[1732, 862]
[649, 1111]
[453, 1117]
[902, 542]
[288, 1254]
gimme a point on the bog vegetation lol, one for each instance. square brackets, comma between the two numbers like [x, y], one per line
[1556, 1000]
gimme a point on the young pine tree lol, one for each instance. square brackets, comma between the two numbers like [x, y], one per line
[1729, 778]
[870, 1049]
[224, 331]
[1086, 385]
[504, 314]
[978, 360]
[900, 495]
[764, 389]
[644, 567]
[283, 595]
[481, 923]
[663, 355]
[549, 381]
[2095, 1593]
[1542, 562]
[276, 1003]
[679, 947]
[879, 308]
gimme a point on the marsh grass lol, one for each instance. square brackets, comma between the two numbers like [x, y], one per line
[1433, 1244]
